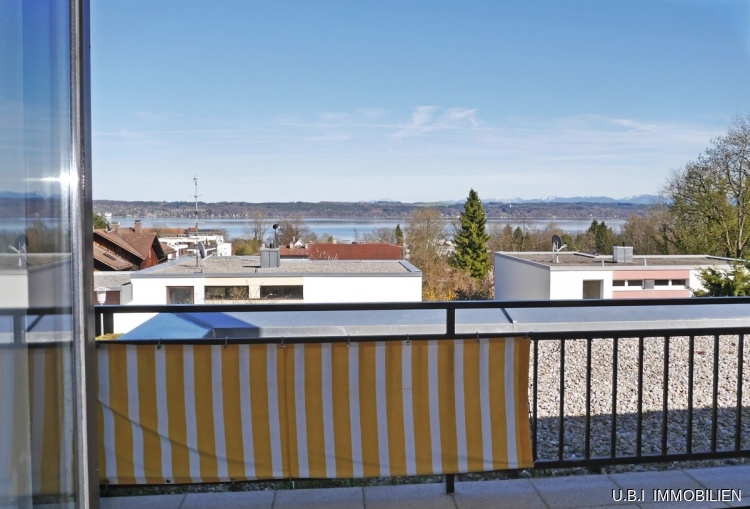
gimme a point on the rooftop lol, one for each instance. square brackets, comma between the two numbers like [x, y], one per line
[248, 266]
[111, 279]
[575, 259]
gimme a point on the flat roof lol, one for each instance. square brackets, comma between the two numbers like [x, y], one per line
[575, 259]
[487, 321]
[249, 266]
[111, 280]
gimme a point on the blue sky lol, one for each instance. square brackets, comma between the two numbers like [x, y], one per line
[409, 100]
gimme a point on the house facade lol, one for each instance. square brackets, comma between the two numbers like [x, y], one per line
[562, 275]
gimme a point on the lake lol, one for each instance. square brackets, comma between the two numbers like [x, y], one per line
[344, 229]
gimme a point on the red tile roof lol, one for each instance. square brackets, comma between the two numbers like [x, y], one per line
[293, 252]
[116, 239]
[167, 249]
[354, 252]
[112, 260]
[126, 249]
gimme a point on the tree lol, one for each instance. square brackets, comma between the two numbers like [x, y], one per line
[732, 283]
[99, 222]
[425, 233]
[602, 235]
[382, 234]
[293, 229]
[470, 239]
[399, 235]
[259, 224]
[710, 197]
[648, 234]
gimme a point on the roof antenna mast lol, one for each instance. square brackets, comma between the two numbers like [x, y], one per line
[195, 181]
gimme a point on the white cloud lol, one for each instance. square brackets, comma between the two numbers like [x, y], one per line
[430, 152]
[425, 119]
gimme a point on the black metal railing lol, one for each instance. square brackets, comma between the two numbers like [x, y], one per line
[656, 408]
[685, 418]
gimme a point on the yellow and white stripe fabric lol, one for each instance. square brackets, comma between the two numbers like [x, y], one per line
[207, 413]
[36, 419]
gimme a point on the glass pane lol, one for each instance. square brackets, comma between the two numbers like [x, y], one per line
[179, 295]
[36, 385]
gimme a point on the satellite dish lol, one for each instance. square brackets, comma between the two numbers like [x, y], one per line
[276, 235]
[20, 243]
[556, 243]
[20, 247]
[201, 250]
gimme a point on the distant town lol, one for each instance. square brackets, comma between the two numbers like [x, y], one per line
[562, 208]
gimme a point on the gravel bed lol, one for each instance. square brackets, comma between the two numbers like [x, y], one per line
[652, 395]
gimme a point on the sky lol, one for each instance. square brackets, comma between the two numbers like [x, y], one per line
[409, 100]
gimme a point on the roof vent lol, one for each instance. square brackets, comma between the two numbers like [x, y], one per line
[622, 254]
[269, 258]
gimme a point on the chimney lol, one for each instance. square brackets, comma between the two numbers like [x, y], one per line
[270, 258]
[137, 226]
[622, 254]
[115, 227]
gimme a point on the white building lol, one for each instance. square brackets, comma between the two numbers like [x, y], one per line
[242, 280]
[563, 275]
[185, 244]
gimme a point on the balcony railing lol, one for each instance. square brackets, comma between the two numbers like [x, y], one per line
[611, 382]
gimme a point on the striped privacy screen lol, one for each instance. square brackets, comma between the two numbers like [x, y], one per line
[207, 413]
[36, 421]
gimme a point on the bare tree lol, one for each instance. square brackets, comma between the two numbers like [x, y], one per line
[383, 234]
[293, 229]
[424, 234]
[259, 224]
[710, 197]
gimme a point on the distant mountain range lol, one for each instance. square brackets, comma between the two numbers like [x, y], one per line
[641, 199]
[10, 195]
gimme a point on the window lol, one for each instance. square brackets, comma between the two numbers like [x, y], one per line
[618, 282]
[592, 289]
[662, 282]
[42, 398]
[680, 282]
[227, 293]
[635, 282]
[179, 295]
[281, 292]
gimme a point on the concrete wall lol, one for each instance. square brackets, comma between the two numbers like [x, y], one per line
[568, 284]
[319, 289]
[15, 289]
[520, 280]
[316, 289]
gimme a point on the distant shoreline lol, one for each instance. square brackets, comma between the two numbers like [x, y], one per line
[395, 211]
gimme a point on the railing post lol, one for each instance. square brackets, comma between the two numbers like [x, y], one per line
[109, 322]
[97, 323]
[450, 484]
[450, 322]
[19, 328]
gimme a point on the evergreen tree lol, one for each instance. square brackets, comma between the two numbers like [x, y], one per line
[399, 235]
[471, 238]
[732, 283]
[99, 222]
